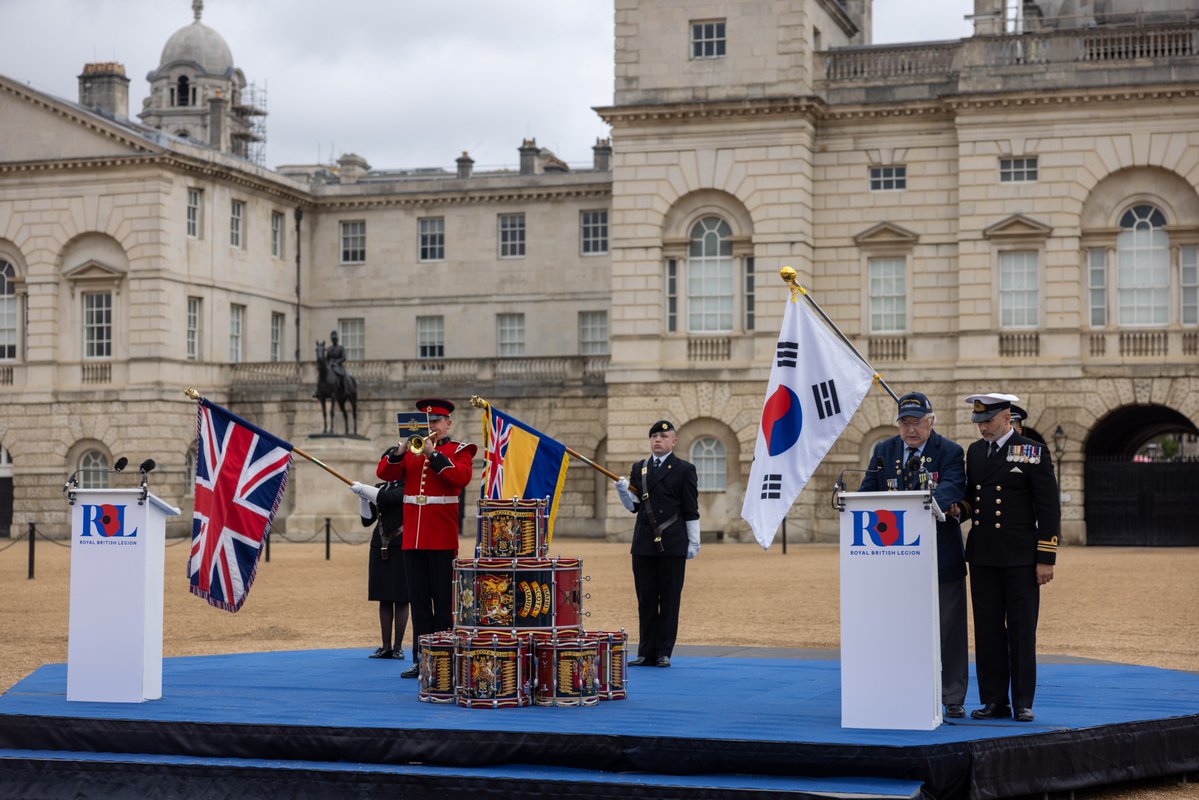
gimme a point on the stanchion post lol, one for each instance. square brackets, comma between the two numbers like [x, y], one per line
[268, 546]
[32, 539]
[784, 535]
[328, 527]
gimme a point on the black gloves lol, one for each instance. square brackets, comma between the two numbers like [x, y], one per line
[440, 461]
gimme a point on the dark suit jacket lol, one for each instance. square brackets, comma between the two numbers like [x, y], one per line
[943, 460]
[1017, 508]
[673, 493]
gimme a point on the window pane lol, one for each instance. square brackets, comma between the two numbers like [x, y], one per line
[594, 232]
[193, 213]
[97, 325]
[237, 216]
[512, 235]
[593, 333]
[1017, 170]
[194, 304]
[1143, 268]
[1018, 290]
[353, 242]
[887, 179]
[1097, 281]
[8, 311]
[276, 234]
[430, 337]
[711, 465]
[510, 334]
[888, 295]
[432, 238]
[237, 319]
[93, 470]
[710, 277]
[352, 333]
[1189, 284]
[277, 323]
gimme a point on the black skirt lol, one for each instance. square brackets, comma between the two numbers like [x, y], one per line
[385, 578]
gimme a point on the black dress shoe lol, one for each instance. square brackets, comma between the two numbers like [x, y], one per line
[1024, 715]
[411, 672]
[397, 654]
[641, 661]
[955, 711]
[992, 711]
[382, 652]
[663, 661]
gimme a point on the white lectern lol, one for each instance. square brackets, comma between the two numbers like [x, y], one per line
[114, 652]
[890, 623]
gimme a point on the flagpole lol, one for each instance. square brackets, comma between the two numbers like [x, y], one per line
[791, 278]
[479, 402]
[194, 395]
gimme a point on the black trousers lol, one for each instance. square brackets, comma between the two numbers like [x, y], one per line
[658, 581]
[1007, 602]
[955, 644]
[430, 575]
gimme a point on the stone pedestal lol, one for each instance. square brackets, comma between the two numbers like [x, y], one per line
[317, 494]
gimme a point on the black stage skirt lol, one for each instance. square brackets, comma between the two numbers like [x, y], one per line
[386, 582]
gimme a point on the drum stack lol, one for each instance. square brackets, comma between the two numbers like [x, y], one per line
[518, 637]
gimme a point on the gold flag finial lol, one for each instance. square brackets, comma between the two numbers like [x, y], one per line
[191, 393]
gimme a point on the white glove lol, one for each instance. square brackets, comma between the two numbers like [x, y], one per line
[692, 538]
[364, 508]
[626, 497]
[369, 493]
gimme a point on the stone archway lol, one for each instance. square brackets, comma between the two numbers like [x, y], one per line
[1136, 497]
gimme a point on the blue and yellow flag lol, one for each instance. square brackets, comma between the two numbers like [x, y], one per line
[521, 462]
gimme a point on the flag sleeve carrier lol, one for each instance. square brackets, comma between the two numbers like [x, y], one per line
[890, 640]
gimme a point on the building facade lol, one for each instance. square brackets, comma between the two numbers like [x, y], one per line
[1016, 211]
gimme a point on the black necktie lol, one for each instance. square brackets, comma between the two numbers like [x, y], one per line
[994, 448]
[910, 468]
[657, 463]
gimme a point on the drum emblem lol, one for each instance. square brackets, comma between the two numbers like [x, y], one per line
[495, 600]
[484, 676]
[503, 535]
[537, 599]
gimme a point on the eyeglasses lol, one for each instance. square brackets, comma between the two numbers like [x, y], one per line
[908, 422]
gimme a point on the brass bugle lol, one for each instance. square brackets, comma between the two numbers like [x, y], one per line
[416, 444]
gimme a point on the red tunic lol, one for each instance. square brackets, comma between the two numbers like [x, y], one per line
[433, 523]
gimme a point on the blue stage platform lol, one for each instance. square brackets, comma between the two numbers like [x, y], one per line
[722, 722]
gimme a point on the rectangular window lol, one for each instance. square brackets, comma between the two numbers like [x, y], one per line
[672, 295]
[276, 234]
[195, 306]
[430, 337]
[710, 284]
[278, 321]
[353, 242]
[594, 232]
[1189, 284]
[352, 333]
[97, 325]
[237, 224]
[1018, 290]
[1018, 170]
[707, 39]
[432, 238]
[9, 300]
[512, 235]
[237, 323]
[1097, 285]
[749, 293]
[510, 334]
[1143, 277]
[889, 179]
[195, 199]
[593, 333]
[888, 295]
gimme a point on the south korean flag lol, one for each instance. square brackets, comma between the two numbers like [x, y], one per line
[816, 385]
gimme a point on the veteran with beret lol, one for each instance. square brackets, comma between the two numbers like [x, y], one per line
[909, 461]
[663, 491]
[1011, 549]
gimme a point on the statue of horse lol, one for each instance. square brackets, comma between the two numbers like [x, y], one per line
[329, 388]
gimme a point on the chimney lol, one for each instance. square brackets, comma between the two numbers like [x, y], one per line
[103, 87]
[528, 156]
[352, 167]
[603, 155]
[466, 165]
[989, 17]
[216, 121]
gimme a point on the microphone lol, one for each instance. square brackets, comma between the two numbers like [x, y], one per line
[147, 465]
[839, 486]
[122, 462]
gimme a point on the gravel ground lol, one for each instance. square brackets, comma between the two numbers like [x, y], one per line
[1133, 605]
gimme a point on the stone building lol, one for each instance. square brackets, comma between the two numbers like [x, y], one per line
[1014, 211]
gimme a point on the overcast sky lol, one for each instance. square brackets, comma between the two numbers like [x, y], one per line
[404, 83]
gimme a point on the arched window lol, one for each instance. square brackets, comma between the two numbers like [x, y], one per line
[1143, 267]
[93, 470]
[8, 311]
[711, 464]
[183, 92]
[710, 277]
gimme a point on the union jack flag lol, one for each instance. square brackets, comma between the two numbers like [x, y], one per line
[498, 435]
[241, 473]
[521, 462]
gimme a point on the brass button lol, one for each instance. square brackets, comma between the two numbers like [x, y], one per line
[978, 499]
[978, 487]
[999, 488]
[998, 501]
[999, 513]
[997, 525]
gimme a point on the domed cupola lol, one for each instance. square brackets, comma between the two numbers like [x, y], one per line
[197, 93]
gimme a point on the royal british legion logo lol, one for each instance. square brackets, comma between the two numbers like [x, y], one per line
[882, 529]
[106, 521]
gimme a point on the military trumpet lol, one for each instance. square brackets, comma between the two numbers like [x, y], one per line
[416, 444]
[416, 425]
